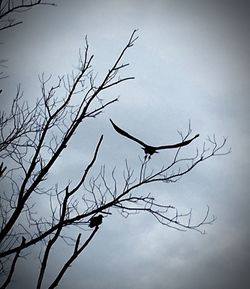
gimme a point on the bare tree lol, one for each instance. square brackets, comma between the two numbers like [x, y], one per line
[31, 142]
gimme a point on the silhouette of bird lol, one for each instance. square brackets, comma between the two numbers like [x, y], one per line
[150, 150]
[95, 221]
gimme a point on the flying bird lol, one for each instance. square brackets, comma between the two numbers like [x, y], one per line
[95, 221]
[150, 150]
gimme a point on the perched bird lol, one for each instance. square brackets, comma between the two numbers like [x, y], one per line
[150, 150]
[95, 221]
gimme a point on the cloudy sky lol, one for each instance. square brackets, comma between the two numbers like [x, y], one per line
[191, 62]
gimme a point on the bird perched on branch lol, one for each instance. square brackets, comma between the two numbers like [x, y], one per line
[95, 221]
[150, 150]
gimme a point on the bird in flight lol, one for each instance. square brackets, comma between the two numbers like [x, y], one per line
[150, 150]
[95, 221]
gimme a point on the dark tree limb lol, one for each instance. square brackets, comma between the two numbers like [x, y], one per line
[13, 265]
[76, 253]
[9, 7]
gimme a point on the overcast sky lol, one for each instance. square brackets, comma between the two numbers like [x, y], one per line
[191, 62]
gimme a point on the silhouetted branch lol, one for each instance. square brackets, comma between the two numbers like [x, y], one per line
[12, 268]
[9, 7]
[2, 169]
[76, 253]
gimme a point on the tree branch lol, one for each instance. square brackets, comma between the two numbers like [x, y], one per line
[76, 253]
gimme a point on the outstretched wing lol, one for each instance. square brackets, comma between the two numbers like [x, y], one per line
[177, 145]
[124, 133]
